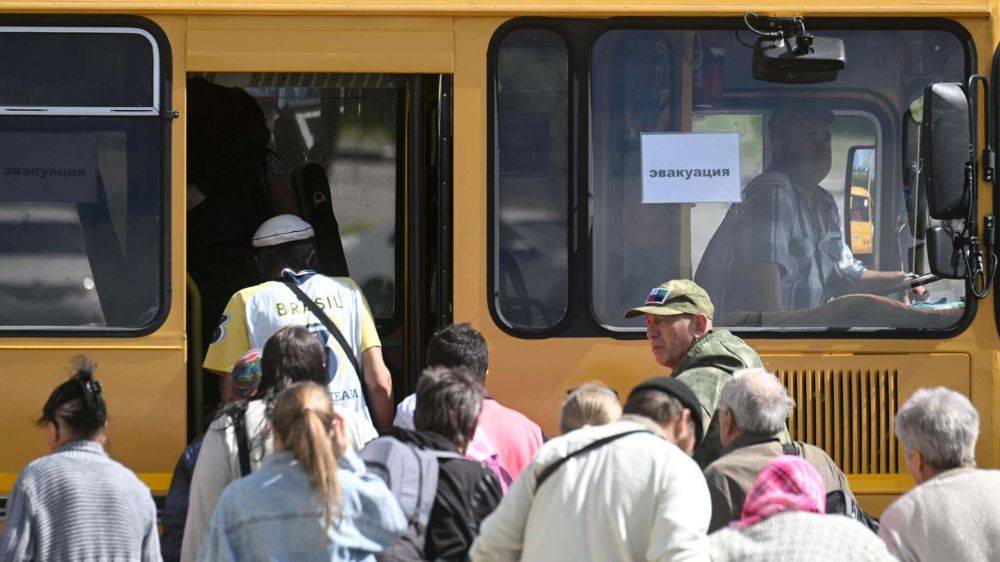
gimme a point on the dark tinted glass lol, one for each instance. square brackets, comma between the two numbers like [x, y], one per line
[531, 182]
[81, 231]
[58, 69]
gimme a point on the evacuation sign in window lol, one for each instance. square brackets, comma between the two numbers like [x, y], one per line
[690, 167]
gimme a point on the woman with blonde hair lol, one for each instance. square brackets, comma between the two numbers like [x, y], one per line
[592, 403]
[311, 500]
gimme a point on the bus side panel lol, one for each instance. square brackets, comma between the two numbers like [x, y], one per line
[311, 44]
[144, 390]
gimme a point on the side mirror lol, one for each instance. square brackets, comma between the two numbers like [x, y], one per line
[945, 150]
[944, 254]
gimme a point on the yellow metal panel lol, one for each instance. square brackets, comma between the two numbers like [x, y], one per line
[158, 482]
[145, 393]
[510, 7]
[297, 44]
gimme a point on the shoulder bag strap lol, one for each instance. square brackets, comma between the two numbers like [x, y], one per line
[242, 440]
[790, 449]
[590, 447]
[334, 331]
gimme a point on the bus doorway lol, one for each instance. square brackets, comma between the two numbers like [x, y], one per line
[365, 158]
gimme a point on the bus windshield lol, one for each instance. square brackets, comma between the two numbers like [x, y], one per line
[697, 169]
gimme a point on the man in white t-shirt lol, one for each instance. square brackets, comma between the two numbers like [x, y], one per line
[284, 251]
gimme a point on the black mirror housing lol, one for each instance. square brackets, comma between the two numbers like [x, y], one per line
[945, 150]
[944, 256]
[785, 61]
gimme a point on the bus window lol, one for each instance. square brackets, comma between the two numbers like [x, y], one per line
[531, 177]
[777, 252]
[859, 189]
[82, 225]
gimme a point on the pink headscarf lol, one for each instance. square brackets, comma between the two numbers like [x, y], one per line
[787, 483]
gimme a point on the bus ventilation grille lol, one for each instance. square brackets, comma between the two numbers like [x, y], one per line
[847, 413]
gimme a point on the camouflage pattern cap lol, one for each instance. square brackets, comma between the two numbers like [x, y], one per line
[679, 296]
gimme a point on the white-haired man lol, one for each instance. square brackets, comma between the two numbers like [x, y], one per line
[753, 408]
[954, 512]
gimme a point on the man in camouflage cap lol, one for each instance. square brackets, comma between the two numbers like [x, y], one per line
[679, 328]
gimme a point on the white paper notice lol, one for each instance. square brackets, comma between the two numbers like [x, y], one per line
[48, 167]
[690, 167]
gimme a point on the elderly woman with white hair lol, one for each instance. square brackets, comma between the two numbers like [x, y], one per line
[954, 512]
[753, 407]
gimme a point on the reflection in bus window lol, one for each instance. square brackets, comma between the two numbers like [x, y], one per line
[632, 94]
[81, 215]
[531, 235]
[803, 244]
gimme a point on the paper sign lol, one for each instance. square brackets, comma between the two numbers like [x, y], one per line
[690, 167]
[48, 168]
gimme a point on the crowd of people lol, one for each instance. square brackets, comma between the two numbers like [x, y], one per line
[305, 460]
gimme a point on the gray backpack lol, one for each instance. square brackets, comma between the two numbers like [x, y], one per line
[411, 474]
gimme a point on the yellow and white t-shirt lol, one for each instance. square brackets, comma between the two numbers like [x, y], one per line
[254, 314]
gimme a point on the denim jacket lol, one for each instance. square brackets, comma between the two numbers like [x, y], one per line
[274, 514]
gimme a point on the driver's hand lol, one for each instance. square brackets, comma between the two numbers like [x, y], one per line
[916, 294]
[919, 294]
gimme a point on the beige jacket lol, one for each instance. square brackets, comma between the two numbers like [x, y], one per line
[952, 517]
[735, 472]
[636, 499]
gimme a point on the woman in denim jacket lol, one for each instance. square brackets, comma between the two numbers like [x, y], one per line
[311, 499]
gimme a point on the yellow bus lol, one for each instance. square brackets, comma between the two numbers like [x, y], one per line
[497, 163]
[860, 223]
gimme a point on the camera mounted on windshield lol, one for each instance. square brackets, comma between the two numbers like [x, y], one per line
[788, 54]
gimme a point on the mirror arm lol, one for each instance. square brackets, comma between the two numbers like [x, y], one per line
[989, 156]
[980, 267]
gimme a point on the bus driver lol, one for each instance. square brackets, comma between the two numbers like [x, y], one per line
[788, 249]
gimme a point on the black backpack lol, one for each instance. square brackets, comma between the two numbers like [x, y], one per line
[837, 502]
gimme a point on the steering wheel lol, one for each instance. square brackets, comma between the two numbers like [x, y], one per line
[911, 282]
[516, 303]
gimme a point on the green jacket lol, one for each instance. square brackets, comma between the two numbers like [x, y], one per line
[706, 368]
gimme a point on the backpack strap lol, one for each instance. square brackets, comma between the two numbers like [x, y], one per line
[242, 440]
[790, 449]
[544, 475]
[334, 331]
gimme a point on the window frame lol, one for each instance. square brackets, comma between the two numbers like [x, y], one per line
[580, 36]
[162, 110]
[492, 171]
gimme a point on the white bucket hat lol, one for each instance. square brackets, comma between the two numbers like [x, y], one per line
[281, 230]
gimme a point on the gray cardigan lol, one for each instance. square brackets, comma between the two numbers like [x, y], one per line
[78, 504]
[794, 536]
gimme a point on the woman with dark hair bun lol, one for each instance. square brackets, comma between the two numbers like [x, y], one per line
[77, 503]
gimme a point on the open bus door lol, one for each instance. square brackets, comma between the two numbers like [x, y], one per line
[367, 159]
